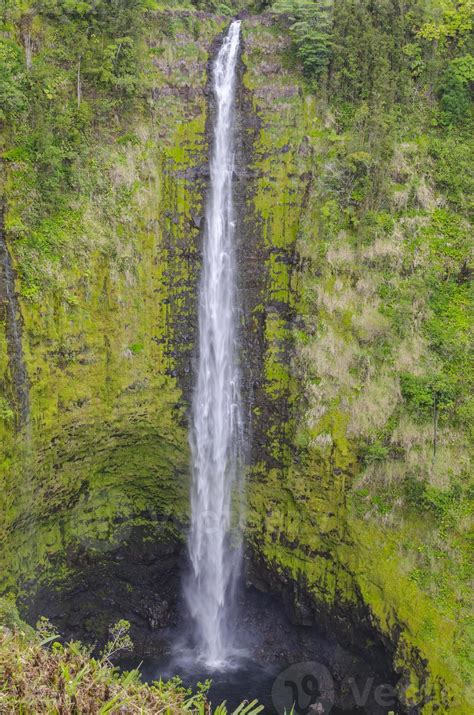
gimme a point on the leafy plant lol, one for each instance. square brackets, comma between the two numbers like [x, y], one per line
[455, 89]
[13, 98]
[119, 640]
[6, 412]
[310, 28]
[443, 504]
[375, 452]
[65, 677]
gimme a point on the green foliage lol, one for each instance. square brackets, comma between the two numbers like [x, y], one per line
[10, 618]
[387, 232]
[463, 68]
[45, 630]
[384, 53]
[6, 412]
[442, 504]
[455, 90]
[42, 680]
[455, 24]
[82, 78]
[375, 452]
[119, 640]
[451, 158]
[310, 28]
[13, 99]
[454, 99]
[369, 60]
[426, 393]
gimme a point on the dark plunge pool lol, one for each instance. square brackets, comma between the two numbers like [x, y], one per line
[280, 664]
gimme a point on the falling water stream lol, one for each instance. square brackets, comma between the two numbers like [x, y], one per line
[266, 656]
[216, 425]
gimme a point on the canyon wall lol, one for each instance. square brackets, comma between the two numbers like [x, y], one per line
[94, 464]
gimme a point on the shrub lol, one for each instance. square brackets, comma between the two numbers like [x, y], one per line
[12, 80]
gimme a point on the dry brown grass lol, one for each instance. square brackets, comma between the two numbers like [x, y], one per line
[383, 474]
[332, 356]
[373, 406]
[385, 250]
[369, 323]
[65, 681]
[336, 298]
[340, 255]
[410, 354]
[425, 197]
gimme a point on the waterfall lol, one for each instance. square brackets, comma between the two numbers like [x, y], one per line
[216, 425]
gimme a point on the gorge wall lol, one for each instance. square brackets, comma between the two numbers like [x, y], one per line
[94, 483]
[99, 481]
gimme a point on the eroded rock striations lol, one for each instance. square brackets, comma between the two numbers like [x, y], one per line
[17, 382]
[94, 505]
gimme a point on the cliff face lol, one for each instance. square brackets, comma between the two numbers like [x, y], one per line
[95, 468]
[354, 255]
[94, 480]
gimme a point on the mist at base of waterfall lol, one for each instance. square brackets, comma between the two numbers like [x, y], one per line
[246, 681]
[271, 644]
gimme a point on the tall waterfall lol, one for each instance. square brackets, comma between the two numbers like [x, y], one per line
[215, 436]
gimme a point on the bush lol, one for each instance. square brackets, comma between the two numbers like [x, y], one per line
[455, 94]
[375, 452]
[424, 497]
[12, 80]
[423, 393]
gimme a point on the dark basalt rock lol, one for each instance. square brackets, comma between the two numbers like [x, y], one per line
[350, 625]
[139, 581]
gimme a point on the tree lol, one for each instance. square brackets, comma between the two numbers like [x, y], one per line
[12, 79]
[455, 25]
[311, 23]
[455, 88]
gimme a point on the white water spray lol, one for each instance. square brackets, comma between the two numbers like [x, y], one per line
[216, 411]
